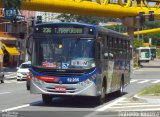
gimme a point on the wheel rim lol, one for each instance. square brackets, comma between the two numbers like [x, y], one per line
[103, 94]
[121, 88]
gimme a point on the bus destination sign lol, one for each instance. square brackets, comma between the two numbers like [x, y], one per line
[60, 30]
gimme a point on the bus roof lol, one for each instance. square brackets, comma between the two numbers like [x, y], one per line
[75, 23]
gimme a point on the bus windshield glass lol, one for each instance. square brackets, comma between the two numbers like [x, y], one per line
[64, 53]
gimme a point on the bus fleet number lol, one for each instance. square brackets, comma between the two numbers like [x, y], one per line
[72, 79]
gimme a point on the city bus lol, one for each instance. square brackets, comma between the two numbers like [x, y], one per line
[144, 54]
[77, 59]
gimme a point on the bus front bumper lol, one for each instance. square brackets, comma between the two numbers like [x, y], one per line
[78, 89]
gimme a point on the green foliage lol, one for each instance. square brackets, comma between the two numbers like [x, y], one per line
[16, 4]
[152, 24]
[154, 36]
[78, 18]
[158, 52]
[153, 90]
[13, 4]
[118, 28]
[138, 42]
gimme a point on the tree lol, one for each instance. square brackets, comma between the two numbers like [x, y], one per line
[137, 42]
[78, 18]
[118, 28]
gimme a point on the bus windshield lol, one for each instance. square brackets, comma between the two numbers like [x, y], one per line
[64, 53]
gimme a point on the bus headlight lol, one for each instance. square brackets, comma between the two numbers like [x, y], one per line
[38, 81]
[88, 81]
[35, 79]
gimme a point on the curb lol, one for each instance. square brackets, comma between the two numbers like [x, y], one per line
[137, 98]
[150, 100]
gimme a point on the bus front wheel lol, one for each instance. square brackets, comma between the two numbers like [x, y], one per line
[102, 98]
[46, 98]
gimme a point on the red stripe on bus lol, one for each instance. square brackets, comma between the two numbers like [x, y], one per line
[47, 79]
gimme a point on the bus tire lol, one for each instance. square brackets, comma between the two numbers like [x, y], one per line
[121, 89]
[46, 98]
[102, 98]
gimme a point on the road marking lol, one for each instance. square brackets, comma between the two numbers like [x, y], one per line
[157, 81]
[144, 81]
[104, 107]
[133, 103]
[149, 69]
[7, 81]
[13, 81]
[124, 106]
[148, 109]
[15, 108]
[133, 81]
[4, 93]
[20, 82]
[7, 75]
[111, 104]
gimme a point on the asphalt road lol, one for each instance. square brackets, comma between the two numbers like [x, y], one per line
[14, 97]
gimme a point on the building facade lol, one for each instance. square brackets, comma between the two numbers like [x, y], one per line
[12, 40]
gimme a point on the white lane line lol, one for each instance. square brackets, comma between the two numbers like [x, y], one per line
[144, 81]
[111, 104]
[15, 108]
[14, 81]
[148, 109]
[10, 75]
[94, 114]
[132, 103]
[138, 106]
[7, 81]
[157, 81]
[4, 93]
[10, 72]
[133, 81]
[20, 82]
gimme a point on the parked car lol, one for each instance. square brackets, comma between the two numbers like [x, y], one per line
[1, 75]
[23, 70]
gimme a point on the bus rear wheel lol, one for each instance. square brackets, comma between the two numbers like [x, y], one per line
[121, 89]
[46, 98]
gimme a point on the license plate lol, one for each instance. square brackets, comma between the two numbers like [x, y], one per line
[25, 76]
[63, 89]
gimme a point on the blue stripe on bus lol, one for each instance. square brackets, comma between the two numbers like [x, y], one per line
[64, 79]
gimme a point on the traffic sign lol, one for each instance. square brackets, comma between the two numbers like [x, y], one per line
[9, 13]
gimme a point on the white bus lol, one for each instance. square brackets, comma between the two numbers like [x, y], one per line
[144, 54]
